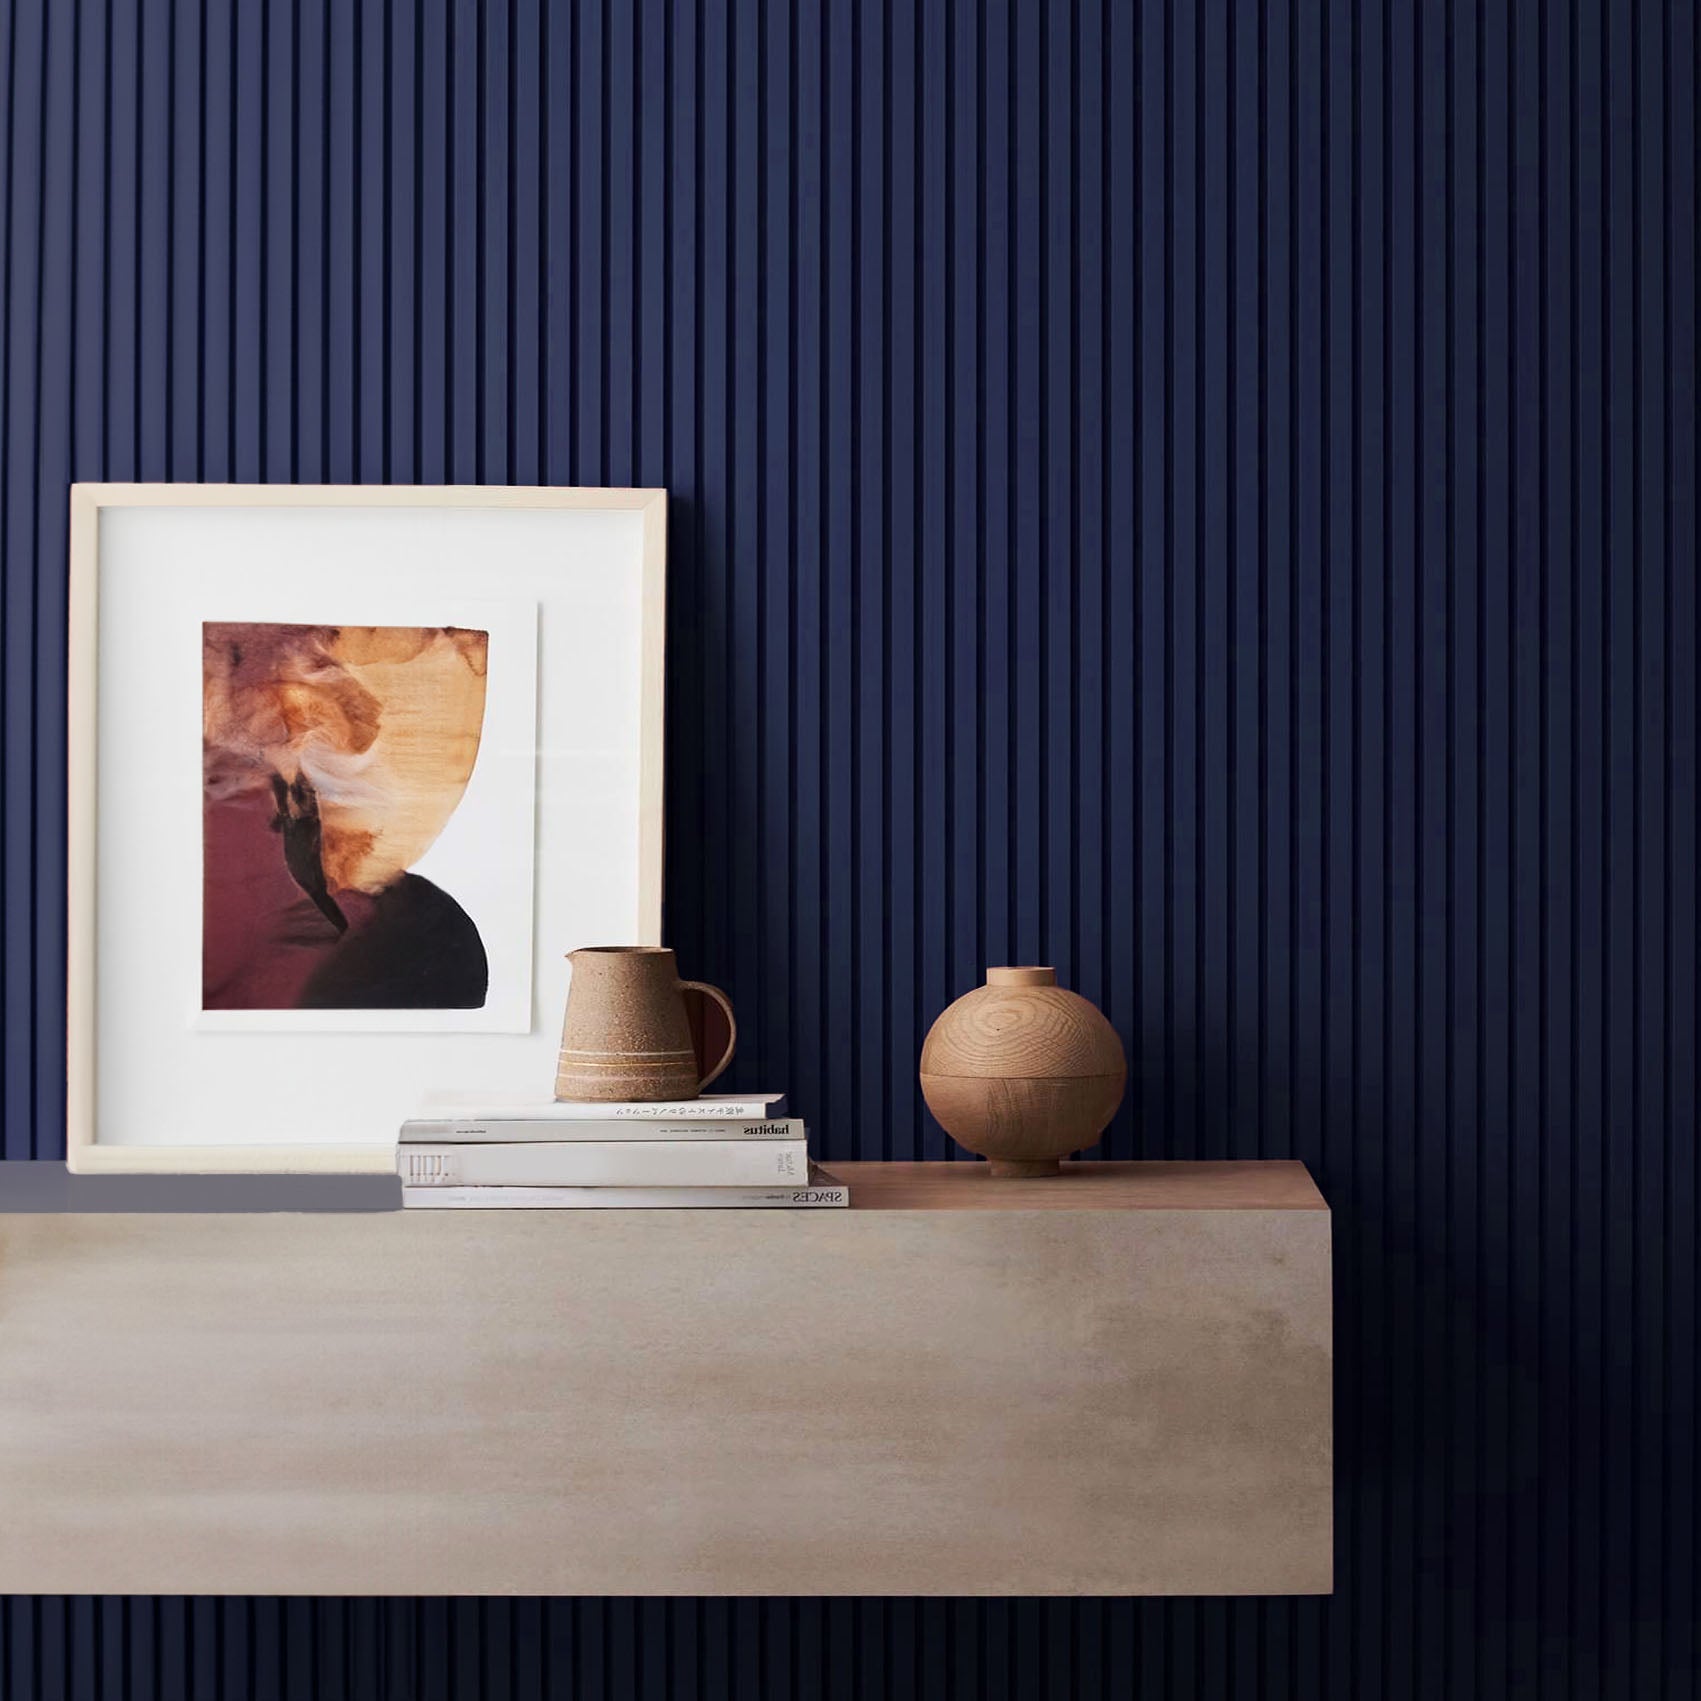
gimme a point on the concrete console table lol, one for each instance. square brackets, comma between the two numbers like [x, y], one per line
[1115, 1382]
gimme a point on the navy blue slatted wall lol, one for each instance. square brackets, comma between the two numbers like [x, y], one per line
[1202, 495]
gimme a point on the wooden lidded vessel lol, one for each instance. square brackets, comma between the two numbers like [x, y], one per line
[1022, 1072]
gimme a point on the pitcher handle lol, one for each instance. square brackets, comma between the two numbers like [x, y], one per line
[704, 990]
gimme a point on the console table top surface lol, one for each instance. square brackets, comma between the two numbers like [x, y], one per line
[1212, 1185]
[1225, 1184]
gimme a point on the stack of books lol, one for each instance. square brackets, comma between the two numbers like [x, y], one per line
[716, 1152]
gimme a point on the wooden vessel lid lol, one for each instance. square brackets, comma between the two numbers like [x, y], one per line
[1022, 975]
[1021, 1025]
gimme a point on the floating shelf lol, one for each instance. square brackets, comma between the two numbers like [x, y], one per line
[1115, 1382]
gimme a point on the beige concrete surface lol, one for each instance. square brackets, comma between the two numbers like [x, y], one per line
[990, 1401]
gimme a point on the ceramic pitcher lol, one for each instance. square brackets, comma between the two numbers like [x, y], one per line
[627, 1032]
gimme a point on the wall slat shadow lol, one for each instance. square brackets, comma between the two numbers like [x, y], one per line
[1204, 496]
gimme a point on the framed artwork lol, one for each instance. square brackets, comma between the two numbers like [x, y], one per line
[352, 768]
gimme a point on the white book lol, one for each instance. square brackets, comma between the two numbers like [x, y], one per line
[728, 1107]
[468, 1130]
[822, 1191]
[607, 1163]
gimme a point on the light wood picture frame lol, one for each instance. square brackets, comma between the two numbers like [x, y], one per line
[157, 1079]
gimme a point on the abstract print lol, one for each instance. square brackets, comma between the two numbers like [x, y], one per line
[333, 757]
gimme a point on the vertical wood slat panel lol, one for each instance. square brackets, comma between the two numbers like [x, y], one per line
[1206, 496]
